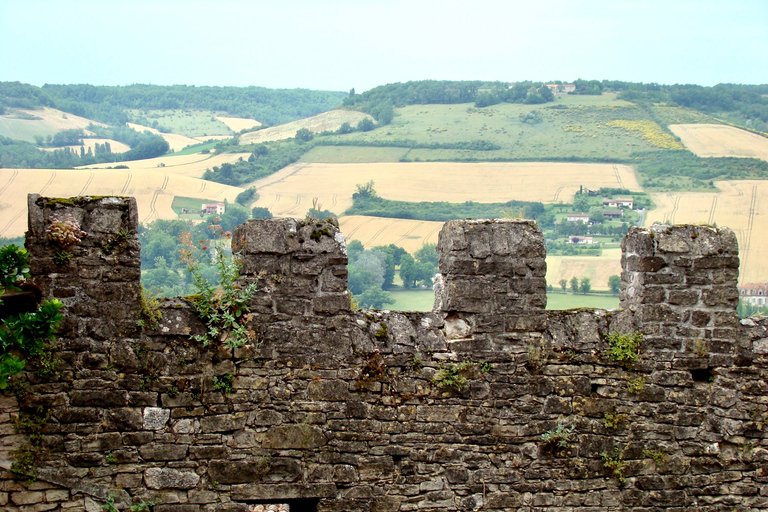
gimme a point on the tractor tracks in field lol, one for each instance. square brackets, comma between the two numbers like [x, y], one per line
[87, 184]
[8, 183]
[618, 176]
[669, 217]
[153, 204]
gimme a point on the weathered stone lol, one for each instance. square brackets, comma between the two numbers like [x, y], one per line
[161, 478]
[155, 418]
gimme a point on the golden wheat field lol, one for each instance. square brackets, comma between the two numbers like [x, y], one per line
[238, 123]
[175, 141]
[739, 206]
[290, 191]
[326, 121]
[718, 140]
[597, 268]
[193, 165]
[154, 190]
[58, 120]
[373, 231]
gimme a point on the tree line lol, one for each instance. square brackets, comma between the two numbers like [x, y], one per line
[112, 104]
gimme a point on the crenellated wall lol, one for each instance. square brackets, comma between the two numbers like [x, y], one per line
[340, 410]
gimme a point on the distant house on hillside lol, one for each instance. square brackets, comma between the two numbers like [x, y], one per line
[613, 214]
[580, 240]
[619, 202]
[754, 293]
[577, 217]
[212, 208]
[561, 88]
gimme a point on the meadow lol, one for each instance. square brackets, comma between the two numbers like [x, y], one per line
[574, 127]
[190, 123]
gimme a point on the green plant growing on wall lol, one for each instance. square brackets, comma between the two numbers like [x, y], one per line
[614, 420]
[624, 348]
[224, 384]
[615, 463]
[150, 310]
[223, 307]
[700, 348]
[659, 457]
[537, 357]
[558, 437]
[635, 384]
[28, 456]
[452, 376]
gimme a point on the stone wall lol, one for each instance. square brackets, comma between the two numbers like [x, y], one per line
[332, 409]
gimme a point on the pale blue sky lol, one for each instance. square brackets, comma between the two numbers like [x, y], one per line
[339, 44]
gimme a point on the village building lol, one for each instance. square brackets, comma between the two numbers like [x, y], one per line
[212, 208]
[580, 240]
[619, 203]
[613, 214]
[562, 88]
[754, 293]
[577, 217]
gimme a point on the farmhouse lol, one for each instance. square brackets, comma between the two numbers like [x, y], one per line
[613, 214]
[754, 293]
[580, 240]
[619, 203]
[577, 217]
[562, 88]
[212, 208]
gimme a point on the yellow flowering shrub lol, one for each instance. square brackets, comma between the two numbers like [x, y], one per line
[649, 131]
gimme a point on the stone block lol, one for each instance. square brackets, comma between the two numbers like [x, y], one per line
[164, 478]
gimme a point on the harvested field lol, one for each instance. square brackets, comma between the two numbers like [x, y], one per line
[738, 206]
[175, 141]
[373, 231]
[718, 140]
[597, 268]
[289, 192]
[192, 165]
[326, 121]
[50, 121]
[154, 190]
[237, 123]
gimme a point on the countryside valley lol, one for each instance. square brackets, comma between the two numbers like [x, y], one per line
[585, 159]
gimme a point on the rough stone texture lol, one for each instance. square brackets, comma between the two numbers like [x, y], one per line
[351, 410]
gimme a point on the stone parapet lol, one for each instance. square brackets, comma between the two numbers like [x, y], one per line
[681, 283]
[301, 266]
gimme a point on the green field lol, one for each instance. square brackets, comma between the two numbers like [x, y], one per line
[421, 300]
[23, 129]
[353, 154]
[191, 123]
[198, 148]
[573, 127]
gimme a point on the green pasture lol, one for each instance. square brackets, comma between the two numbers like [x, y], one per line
[353, 154]
[24, 129]
[191, 123]
[573, 127]
[197, 148]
